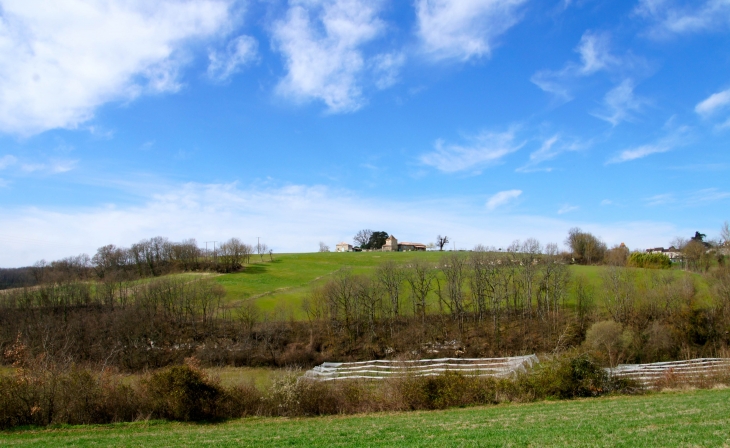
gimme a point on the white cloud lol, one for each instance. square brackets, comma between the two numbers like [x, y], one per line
[595, 56]
[639, 152]
[606, 202]
[594, 53]
[7, 160]
[550, 148]
[289, 219]
[567, 208]
[669, 17]
[239, 52]
[386, 68]
[321, 41]
[713, 103]
[485, 149]
[502, 198]
[462, 29]
[620, 104]
[60, 60]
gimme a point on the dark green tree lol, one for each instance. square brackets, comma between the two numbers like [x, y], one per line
[376, 241]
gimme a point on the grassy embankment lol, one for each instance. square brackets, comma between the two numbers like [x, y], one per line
[283, 283]
[688, 418]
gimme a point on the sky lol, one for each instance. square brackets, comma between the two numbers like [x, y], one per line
[303, 121]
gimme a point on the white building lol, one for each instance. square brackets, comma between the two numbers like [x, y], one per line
[343, 247]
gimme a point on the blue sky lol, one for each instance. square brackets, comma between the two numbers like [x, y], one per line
[306, 120]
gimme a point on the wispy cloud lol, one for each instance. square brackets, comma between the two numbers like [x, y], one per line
[502, 198]
[595, 56]
[567, 208]
[660, 199]
[689, 198]
[620, 104]
[485, 149]
[54, 166]
[550, 149]
[464, 29]
[222, 64]
[675, 137]
[713, 103]
[639, 152]
[670, 17]
[7, 160]
[386, 68]
[322, 44]
[61, 60]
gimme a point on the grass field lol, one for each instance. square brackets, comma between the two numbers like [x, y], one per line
[689, 418]
[282, 284]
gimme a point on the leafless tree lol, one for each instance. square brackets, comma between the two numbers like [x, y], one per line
[232, 255]
[363, 237]
[390, 275]
[420, 276]
[261, 250]
[442, 241]
[323, 247]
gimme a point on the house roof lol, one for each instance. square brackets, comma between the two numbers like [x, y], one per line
[405, 243]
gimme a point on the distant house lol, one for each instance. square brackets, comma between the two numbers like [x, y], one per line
[392, 245]
[672, 252]
[343, 247]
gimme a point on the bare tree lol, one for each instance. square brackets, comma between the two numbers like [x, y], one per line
[391, 276]
[420, 276]
[363, 237]
[323, 247]
[261, 249]
[725, 234]
[442, 241]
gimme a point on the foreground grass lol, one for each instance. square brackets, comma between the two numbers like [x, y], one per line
[693, 418]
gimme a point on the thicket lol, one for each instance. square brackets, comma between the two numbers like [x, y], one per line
[41, 394]
[649, 261]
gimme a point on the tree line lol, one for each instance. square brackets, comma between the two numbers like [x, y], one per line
[152, 257]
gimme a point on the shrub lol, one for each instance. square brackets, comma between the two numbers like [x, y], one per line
[569, 376]
[650, 261]
[182, 393]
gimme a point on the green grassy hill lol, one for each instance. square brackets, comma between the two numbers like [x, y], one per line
[283, 283]
[694, 418]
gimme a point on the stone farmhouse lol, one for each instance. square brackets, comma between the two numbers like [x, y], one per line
[672, 252]
[392, 245]
[343, 247]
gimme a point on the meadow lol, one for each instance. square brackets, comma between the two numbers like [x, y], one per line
[678, 418]
[280, 286]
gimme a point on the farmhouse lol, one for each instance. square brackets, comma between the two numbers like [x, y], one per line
[343, 247]
[672, 252]
[392, 245]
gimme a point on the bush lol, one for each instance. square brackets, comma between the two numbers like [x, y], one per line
[182, 393]
[650, 261]
[569, 376]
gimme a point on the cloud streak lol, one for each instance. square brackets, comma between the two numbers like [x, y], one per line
[485, 149]
[502, 198]
[713, 103]
[670, 17]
